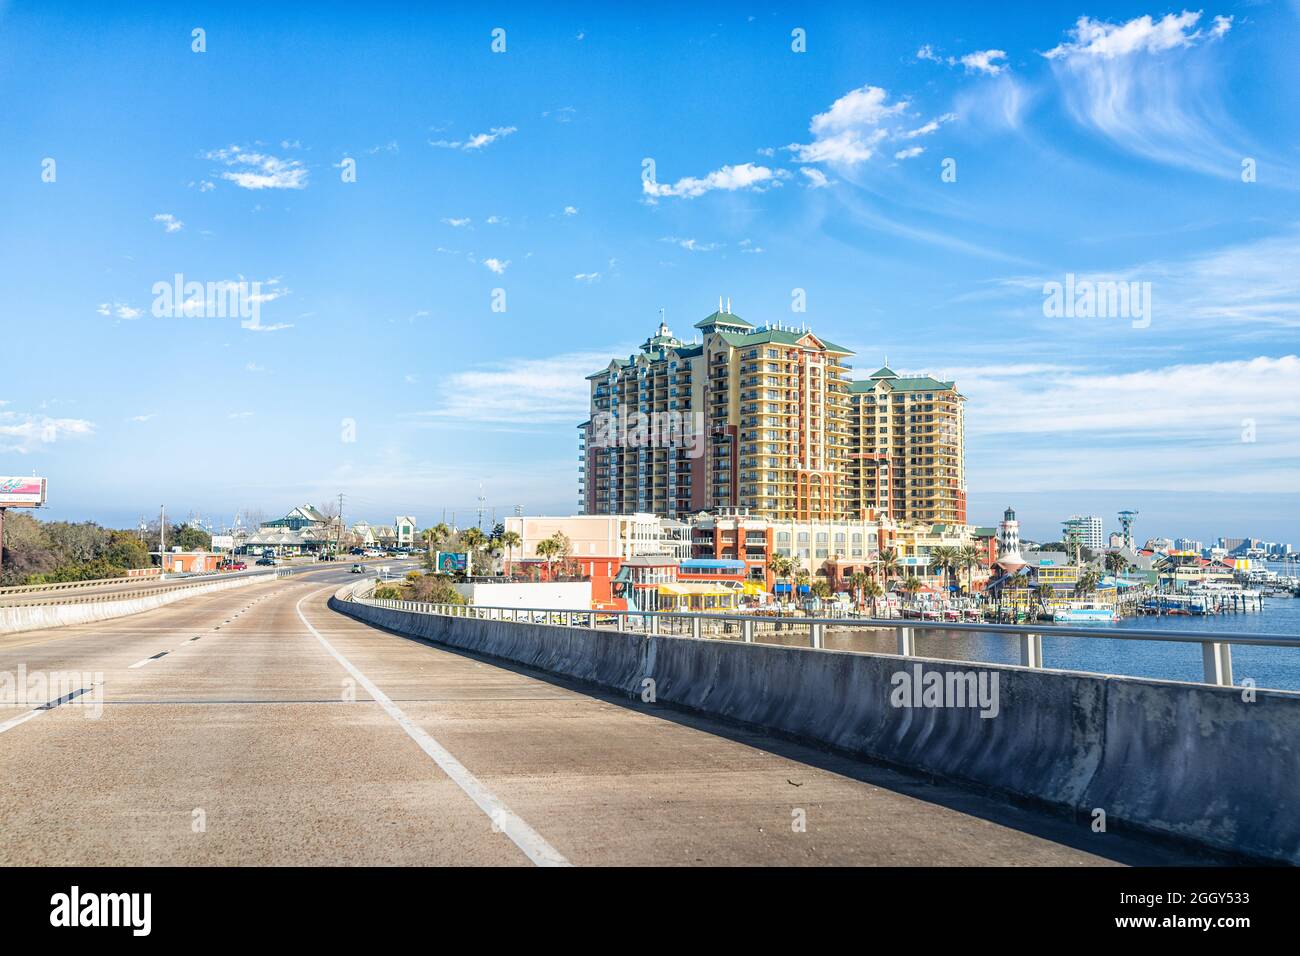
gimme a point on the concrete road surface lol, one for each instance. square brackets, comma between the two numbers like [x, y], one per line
[272, 730]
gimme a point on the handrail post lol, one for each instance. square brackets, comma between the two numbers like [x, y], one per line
[1031, 650]
[906, 642]
[622, 621]
[654, 623]
[747, 630]
[695, 626]
[568, 619]
[1217, 658]
[815, 634]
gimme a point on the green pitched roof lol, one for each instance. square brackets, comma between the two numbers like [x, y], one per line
[884, 372]
[777, 337]
[723, 318]
[921, 383]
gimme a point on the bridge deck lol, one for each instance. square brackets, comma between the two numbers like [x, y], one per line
[247, 731]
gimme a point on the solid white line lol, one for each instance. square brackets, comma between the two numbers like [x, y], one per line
[503, 818]
[20, 719]
[139, 663]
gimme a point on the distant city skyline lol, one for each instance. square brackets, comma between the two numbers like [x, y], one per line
[440, 242]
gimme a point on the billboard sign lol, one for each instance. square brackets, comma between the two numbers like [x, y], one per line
[21, 492]
[449, 562]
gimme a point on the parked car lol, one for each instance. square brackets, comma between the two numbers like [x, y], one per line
[266, 561]
[236, 566]
[358, 569]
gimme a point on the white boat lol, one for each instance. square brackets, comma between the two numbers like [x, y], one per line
[1090, 613]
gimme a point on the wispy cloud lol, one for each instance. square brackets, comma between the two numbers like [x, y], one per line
[850, 131]
[1152, 88]
[523, 393]
[727, 179]
[477, 141]
[170, 222]
[252, 170]
[23, 433]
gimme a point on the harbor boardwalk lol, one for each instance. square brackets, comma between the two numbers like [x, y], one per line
[251, 742]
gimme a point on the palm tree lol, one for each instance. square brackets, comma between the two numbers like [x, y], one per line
[943, 560]
[912, 585]
[858, 583]
[556, 546]
[1044, 593]
[434, 538]
[510, 540]
[890, 566]
[1087, 582]
[969, 558]
[472, 540]
[873, 590]
[1116, 563]
[780, 566]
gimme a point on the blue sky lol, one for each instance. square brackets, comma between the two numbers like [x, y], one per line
[1104, 140]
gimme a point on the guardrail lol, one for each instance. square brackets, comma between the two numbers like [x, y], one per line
[1216, 650]
[78, 585]
[152, 588]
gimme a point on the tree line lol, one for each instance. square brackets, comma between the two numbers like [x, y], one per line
[54, 552]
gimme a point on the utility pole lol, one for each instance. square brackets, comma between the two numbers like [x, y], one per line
[338, 539]
[162, 534]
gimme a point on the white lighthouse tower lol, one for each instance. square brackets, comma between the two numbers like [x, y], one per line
[1009, 558]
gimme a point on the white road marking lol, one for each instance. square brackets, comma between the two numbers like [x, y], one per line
[20, 719]
[503, 818]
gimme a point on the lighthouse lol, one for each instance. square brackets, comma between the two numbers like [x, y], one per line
[1009, 559]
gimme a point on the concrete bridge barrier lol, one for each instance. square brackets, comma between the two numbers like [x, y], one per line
[1195, 762]
[85, 610]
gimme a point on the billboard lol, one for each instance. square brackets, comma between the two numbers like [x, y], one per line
[21, 492]
[449, 562]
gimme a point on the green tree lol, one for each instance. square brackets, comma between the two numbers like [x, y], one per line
[943, 560]
[968, 559]
[888, 563]
[874, 592]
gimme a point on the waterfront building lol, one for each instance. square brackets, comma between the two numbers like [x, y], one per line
[605, 536]
[1087, 530]
[740, 416]
[907, 458]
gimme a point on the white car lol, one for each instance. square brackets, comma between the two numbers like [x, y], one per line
[358, 569]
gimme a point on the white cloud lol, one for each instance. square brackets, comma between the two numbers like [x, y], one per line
[254, 367]
[982, 61]
[816, 178]
[930, 127]
[849, 132]
[1188, 422]
[496, 265]
[520, 392]
[22, 432]
[690, 245]
[570, 210]
[910, 152]
[144, 418]
[250, 170]
[927, 53]
[170, 222]
[457, 222]
[119, 309]
[1143, 86]
[389, 147]
[588, 277]
[477, 141]
[727, 179]
[1139, 35]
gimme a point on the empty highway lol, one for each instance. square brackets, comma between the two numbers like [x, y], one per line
[256, 726]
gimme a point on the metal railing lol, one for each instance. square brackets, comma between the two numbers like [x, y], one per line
[146, 589]
[1216, 652]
